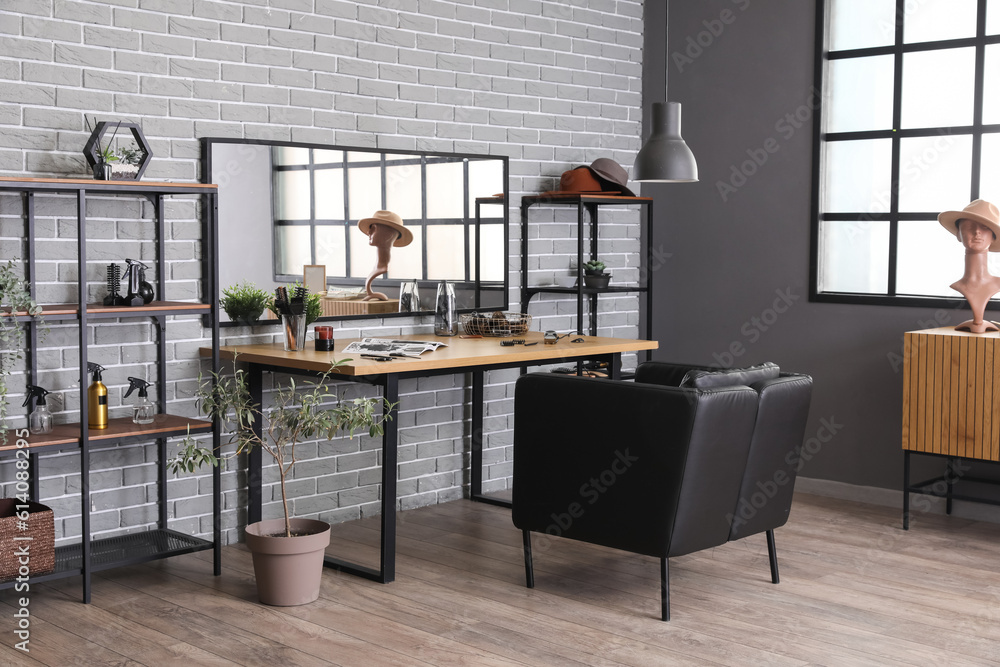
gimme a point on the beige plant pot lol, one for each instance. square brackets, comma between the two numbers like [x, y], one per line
[288, 570]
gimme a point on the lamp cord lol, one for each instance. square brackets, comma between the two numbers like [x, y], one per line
[666, 48]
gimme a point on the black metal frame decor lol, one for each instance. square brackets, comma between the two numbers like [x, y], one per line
[92, 149]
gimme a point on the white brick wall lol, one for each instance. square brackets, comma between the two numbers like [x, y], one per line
[550, 83]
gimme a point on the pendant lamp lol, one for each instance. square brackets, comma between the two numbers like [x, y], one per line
[665, 158]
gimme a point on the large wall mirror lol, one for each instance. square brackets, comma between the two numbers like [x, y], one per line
[286, 206]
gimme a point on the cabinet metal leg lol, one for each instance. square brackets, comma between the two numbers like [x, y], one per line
[949, 477]
[906, 490]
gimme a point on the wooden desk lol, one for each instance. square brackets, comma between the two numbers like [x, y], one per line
[951, 405]
[474, 355]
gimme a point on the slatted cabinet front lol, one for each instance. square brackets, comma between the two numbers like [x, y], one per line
[951, 393]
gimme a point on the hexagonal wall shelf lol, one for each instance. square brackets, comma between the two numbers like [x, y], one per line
[116, 170]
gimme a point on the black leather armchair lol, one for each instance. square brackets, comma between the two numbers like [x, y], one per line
[653, 468]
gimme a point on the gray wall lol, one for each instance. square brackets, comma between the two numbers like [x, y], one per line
[738, 272]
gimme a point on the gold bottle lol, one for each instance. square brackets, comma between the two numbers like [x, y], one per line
[97, 398]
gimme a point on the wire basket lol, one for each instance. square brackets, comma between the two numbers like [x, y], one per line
[497, 324]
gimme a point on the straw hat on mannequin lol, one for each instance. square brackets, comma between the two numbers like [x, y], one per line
[977, 227]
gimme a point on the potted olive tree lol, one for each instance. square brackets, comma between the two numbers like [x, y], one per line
[288, 552]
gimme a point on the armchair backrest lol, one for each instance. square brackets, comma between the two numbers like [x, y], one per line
[645, 468]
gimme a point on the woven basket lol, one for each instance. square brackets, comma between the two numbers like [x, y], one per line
[39, 526]
[496, 324]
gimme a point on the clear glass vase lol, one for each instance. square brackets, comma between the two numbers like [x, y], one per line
[409, 297]
[445, 311]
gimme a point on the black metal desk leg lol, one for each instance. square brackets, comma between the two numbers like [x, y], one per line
[390, 444]
[615, 366]
[906, 489]
[476, 444]
[255, 466]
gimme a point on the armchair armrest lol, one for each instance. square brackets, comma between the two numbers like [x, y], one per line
[766, 493]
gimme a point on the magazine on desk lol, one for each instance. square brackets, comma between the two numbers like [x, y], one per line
[392, 348]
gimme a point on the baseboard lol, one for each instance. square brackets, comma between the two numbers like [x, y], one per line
[894, 498]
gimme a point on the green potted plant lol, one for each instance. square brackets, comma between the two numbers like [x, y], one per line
[594, 274]
[244, 302]
[287, 553]
[15, 299]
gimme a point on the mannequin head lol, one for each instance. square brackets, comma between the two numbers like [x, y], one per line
[975, 236]
[382, 236]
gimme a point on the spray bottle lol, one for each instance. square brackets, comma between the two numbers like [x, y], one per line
[144, 409]
[40, 419]
[97, 398]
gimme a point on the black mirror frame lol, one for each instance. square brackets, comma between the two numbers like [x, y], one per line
[206, 177]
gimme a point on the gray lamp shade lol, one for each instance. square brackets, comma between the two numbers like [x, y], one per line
[665, 158]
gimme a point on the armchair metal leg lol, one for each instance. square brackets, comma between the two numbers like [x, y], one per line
[529, 571]
[772, 556]
[664, 590]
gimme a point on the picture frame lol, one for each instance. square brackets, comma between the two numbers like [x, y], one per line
[314, 278]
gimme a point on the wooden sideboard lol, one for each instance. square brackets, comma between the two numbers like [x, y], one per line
[951, 393]
[951, 409]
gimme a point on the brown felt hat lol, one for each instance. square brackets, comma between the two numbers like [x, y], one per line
[579, 180]
[980, 211]
[389, 219]
[611, 174]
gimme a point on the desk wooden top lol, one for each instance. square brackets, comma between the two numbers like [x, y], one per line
[460, 353]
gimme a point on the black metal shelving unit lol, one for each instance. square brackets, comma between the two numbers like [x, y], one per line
[588, 207]
[90, 555]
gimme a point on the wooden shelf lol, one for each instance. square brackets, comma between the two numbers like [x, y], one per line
[60, 311]
[611, 289]
[574, 197]
[118, 428]
[139, 187]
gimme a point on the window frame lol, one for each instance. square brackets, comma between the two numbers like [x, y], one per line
[893, 217]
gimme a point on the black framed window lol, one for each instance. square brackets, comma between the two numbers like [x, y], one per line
[909, 127]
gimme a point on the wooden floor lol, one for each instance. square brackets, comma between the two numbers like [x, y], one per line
[855, 590]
